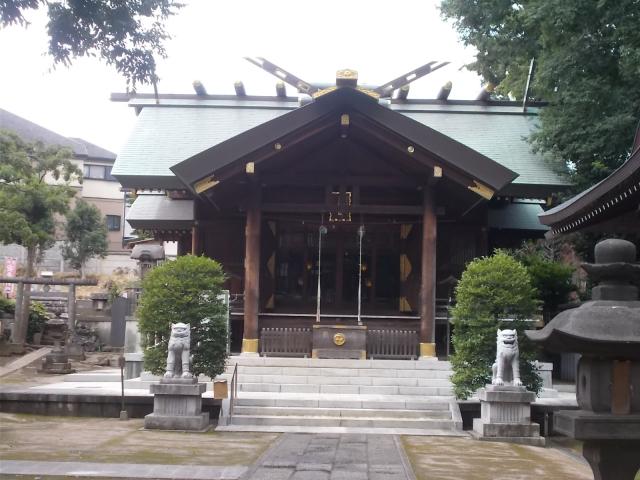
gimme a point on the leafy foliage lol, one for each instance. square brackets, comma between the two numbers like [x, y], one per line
[551, 279]
[35, 184]
[185, 290]
[587, 57]
[7, 305]
[86, 235]
[37, 319]
[491, 289]
[125, 34]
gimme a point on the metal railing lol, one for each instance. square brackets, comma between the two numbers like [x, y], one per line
[234, 390]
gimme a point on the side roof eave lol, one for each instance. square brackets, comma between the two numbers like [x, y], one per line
[444, 148]
[585, 200]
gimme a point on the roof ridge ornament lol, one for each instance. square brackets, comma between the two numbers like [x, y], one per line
[346, 78]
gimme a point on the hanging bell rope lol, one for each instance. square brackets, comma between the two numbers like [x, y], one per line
[360, 236]
[321, 231]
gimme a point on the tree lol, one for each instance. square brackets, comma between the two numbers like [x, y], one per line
[125, 34]
[186, 290]
[586, 55]
[491, 290]
[552, 279]
[86, 235]
[35, 186]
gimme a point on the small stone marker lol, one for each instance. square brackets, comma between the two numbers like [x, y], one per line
[177, 399]
[506, 404]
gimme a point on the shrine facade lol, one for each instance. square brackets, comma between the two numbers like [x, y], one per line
[343, 209]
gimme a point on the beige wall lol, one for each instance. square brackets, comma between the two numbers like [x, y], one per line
[111, 207]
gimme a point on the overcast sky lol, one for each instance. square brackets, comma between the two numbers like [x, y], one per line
[381, 40]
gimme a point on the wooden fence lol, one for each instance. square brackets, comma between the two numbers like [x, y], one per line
[285, 342]
[392, 344]
[381, 343]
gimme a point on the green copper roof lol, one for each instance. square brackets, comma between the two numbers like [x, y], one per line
[501, 137]
[175, 130]
[516, 216]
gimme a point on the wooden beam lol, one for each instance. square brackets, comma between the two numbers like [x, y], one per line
[332, 179]
[428, 274]
[252, 271]
[321, 207]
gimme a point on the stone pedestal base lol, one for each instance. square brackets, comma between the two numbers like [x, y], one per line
[506, 416]
[56, 362]
[177, 405]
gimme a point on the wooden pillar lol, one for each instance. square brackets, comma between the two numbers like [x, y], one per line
[428, 276]
[195, 240]
[252, 272]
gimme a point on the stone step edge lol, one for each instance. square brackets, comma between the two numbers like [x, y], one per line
[302, 418]
[356, 397]
[430, 364]
[306, 410]
[319, 429]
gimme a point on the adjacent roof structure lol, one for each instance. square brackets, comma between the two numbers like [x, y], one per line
[32, 132]
[158, 212]
[612, 205]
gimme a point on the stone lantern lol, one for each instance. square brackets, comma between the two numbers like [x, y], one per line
[606, 332]
[148, 256]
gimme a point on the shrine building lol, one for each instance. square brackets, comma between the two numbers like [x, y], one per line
[346, 206]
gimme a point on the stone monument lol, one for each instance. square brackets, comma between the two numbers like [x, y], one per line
[506, 404]
[606, 332]
[177, 399]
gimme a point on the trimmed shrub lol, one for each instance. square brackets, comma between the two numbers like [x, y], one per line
[37, 320]
[494, 293]
[186, 290]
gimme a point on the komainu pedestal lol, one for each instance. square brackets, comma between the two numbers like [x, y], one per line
[177, 405]
[506, 416]
[177, 399]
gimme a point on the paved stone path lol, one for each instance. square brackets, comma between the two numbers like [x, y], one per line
[333, 457]
[119, 470]
[24, 361]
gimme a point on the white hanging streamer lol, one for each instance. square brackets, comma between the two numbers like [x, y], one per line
[360, 235]
[322, 231]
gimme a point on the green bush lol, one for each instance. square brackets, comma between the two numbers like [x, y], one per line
[7, 305]
[37, 320]
[549, 276]
[185, 290]
[491, 290]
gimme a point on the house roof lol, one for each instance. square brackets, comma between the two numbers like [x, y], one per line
[181, 126]
[94, 151]
[618, 195]
[32, 132]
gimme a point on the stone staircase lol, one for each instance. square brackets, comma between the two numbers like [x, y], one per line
[359, 396]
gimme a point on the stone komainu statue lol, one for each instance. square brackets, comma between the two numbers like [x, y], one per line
[179, 347]
[507, 365]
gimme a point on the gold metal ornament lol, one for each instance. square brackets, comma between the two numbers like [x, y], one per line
[339, 339]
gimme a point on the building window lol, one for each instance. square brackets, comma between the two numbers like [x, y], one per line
[98, 172]
[113, 223]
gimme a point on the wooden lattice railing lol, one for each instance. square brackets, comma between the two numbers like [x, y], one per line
[285, 342]
[392, 344]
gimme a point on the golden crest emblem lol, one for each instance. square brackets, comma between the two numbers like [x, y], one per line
[339, 339]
